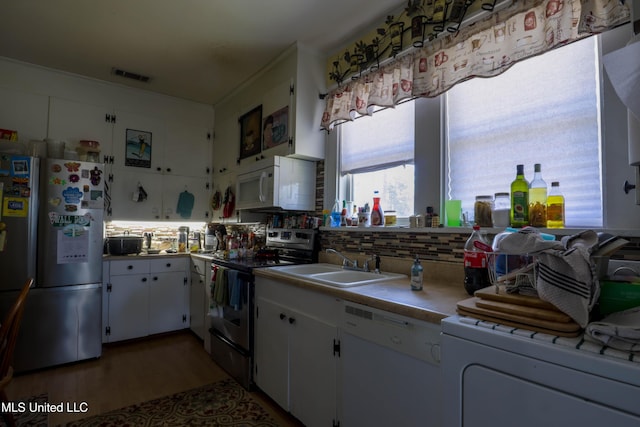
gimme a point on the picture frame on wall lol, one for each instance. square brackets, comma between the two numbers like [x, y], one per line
[250, 132]
[138, 148]
[275, 128]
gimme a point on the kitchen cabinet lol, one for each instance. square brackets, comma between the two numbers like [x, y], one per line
[292, 81]
[179, 158]
[296, 350]
[146, 296]
[198, 301]
[24, 112]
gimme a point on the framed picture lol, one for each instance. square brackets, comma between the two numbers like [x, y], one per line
[138, 148]
[250, 132]
[275, 128]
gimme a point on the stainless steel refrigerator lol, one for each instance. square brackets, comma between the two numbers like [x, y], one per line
[51, 228]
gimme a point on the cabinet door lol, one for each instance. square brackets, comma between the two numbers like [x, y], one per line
[167, 302]
[128, 149]
[313, 370]
[271, 351]
[177, 193]
[129, 307]
[24, 112]
[125, 183]
[73, 121]
[197, 304]
[187, 151]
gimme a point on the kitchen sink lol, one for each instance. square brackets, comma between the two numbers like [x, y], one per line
[333, 275]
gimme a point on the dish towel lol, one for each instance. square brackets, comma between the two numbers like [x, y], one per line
[565, 276]
[185, 204]
[619, 330]
[220, 292]
[235, 289]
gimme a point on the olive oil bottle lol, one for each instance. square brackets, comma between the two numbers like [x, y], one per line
[538, 199]
[555, 207]
[519, 216]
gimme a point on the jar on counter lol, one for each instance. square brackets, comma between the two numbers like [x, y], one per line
[482, 211]
[501, 209]
[183, 239]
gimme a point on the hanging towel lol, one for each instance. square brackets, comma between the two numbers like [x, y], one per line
[185, 204]
[220, 291]
[619, 330]
[235, 289]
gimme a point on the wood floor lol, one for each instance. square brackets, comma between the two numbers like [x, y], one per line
[129, 373]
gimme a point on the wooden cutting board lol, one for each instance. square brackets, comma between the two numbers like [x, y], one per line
[469, 306]
[517, 299]
[463, 312]
[523, 310]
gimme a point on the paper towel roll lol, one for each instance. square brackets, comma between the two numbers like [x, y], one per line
[634, 139]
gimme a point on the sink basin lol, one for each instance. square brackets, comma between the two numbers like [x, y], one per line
[333, 275]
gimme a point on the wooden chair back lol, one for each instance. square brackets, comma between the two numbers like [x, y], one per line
[9, 334]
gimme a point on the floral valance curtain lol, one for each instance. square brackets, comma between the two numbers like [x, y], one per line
[484, 49]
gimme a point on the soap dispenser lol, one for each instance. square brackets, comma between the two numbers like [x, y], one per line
[416, 275]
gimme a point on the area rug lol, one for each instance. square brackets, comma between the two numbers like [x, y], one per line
[224, 403]
[29, 418]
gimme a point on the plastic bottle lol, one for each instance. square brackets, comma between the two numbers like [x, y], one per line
[343, 214]
[538, 199]
[335, 214]
[555, 207]
[377, 214]
[519, 215]
[416, 275]
[476, 274]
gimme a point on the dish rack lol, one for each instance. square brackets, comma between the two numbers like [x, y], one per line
[512, 270]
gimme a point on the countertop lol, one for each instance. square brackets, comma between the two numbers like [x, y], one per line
[142, 255]
[436, 300]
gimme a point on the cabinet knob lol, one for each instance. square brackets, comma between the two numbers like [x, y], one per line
[159, 169]
[168, 169]
[168, 264]
[144, 279]
[129, 267]
[292, 320]
[282, 316]
[155, 278]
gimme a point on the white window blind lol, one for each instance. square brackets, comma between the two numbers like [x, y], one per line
[375, 143]
[543, 110]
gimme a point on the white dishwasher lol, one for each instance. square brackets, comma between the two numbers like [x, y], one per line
[391, 372]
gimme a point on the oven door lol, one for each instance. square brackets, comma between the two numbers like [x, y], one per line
[232, 319]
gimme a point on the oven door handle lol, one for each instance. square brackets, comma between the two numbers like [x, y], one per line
[217, 334]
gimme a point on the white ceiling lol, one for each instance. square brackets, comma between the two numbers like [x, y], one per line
[195, 49]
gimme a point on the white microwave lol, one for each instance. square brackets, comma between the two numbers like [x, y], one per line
[277, 182]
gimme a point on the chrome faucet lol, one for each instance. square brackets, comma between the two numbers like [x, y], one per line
[376, 259]
[346, 262]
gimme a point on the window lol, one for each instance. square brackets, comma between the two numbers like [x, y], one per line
[377, 154]
[543, 110]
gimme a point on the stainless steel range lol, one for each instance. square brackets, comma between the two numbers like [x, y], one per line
[232, 296]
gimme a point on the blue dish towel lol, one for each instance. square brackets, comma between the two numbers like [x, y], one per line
[235, 289]
[185, 204]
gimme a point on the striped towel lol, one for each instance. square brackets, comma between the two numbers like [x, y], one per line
[565, 275]
[619, 330]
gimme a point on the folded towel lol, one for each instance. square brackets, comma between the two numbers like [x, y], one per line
[220, 292]
[235, 289]
[185, 204]
[619, 330]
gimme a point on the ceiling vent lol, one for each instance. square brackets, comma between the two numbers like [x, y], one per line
[130, 75]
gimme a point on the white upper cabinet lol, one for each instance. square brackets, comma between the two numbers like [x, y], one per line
[24, 112]
[288, 92]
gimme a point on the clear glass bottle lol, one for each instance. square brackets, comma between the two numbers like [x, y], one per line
[183, 239]
[519, 216]
[416, 275]
[555, 207]
[538, 199]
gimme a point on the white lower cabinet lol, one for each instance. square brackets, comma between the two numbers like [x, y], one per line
[198, 301]
[146, 296]
[296, 357]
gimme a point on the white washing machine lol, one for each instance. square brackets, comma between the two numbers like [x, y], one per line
[497, 376]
